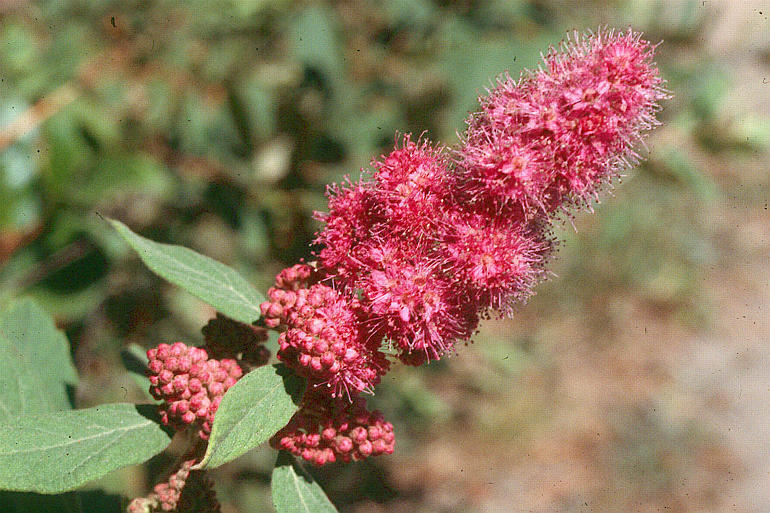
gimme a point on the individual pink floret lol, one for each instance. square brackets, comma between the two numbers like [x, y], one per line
[496, 262]
[354, 216]
[411, 185]
[411, 302]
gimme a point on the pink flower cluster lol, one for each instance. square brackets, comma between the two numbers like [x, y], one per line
[435, 238]
[325, 341]
[190, 384]
[557, 135]
[327, 430]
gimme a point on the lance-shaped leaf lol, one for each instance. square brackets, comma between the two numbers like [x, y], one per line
[254, 409]
[208, 280]
[295, 491]
[35, 362]
[60, 451]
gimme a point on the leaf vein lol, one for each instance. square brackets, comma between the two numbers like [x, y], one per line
[75, 440]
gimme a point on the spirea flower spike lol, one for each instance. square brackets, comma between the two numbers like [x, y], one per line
[435, 238]
[411, 256]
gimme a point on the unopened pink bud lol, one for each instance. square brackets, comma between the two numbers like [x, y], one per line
[344, 444]
[178, 349]
[365, 448]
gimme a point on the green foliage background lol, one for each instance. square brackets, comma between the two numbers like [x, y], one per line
[217, 125]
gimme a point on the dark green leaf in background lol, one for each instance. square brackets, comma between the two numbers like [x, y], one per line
[295, 491]
[118, 175]
[57, 452]
[256, 407]
[314, 38]
[90, 501]
[134, 359]
[208, 280]
[21, 502]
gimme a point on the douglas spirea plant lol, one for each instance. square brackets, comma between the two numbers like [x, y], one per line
[412, 255]
[417, 251]
[408, 260]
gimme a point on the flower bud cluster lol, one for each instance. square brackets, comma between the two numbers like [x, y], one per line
[190, 384]
[296, 277]
[186, 490]
[289, 295]
[325, 341]
[326, 430]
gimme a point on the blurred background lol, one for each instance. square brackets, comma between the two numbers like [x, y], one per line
[637, 379]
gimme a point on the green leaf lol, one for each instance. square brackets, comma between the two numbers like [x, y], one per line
[295, 491]
[208, 280]
[254, 409]
[23, 392]
[56, 452]
[28, 326]
[35, 363]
